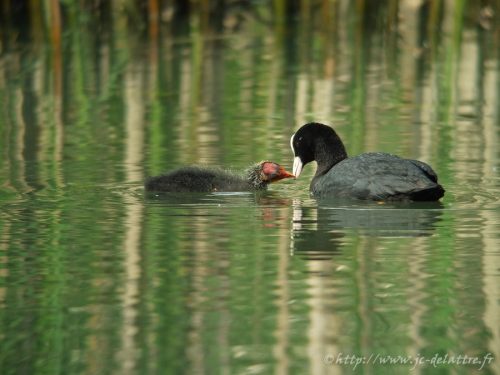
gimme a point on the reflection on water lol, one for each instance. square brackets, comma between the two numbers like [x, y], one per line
[319, 230]
[97, 277]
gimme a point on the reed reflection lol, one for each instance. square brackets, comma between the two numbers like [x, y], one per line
[96, 95]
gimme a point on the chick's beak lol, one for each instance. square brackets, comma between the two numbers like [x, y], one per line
[282, 173]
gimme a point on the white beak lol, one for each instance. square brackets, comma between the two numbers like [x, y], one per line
[297, 166]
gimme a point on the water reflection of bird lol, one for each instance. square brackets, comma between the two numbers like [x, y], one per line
[311, 238]
[375, 176]
[319, 232]
[389, 220]
[196, 179]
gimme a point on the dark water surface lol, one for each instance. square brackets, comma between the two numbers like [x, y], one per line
[98, 278]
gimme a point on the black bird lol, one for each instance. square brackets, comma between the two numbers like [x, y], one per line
[375, 176]
[197, 179]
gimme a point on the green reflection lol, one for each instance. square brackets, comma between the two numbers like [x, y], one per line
[97, 278]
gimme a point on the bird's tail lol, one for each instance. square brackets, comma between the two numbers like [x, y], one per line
[431, 193]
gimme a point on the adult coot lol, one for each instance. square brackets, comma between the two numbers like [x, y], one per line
[376, 176]
[196, 179]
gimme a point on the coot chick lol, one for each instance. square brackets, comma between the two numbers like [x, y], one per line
[196, 179]
[375, 176]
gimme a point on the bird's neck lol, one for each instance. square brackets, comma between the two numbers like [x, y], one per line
[254, 179]
[328, 153]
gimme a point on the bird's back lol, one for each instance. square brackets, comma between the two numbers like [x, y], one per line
[379, 176]
[195, 179]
